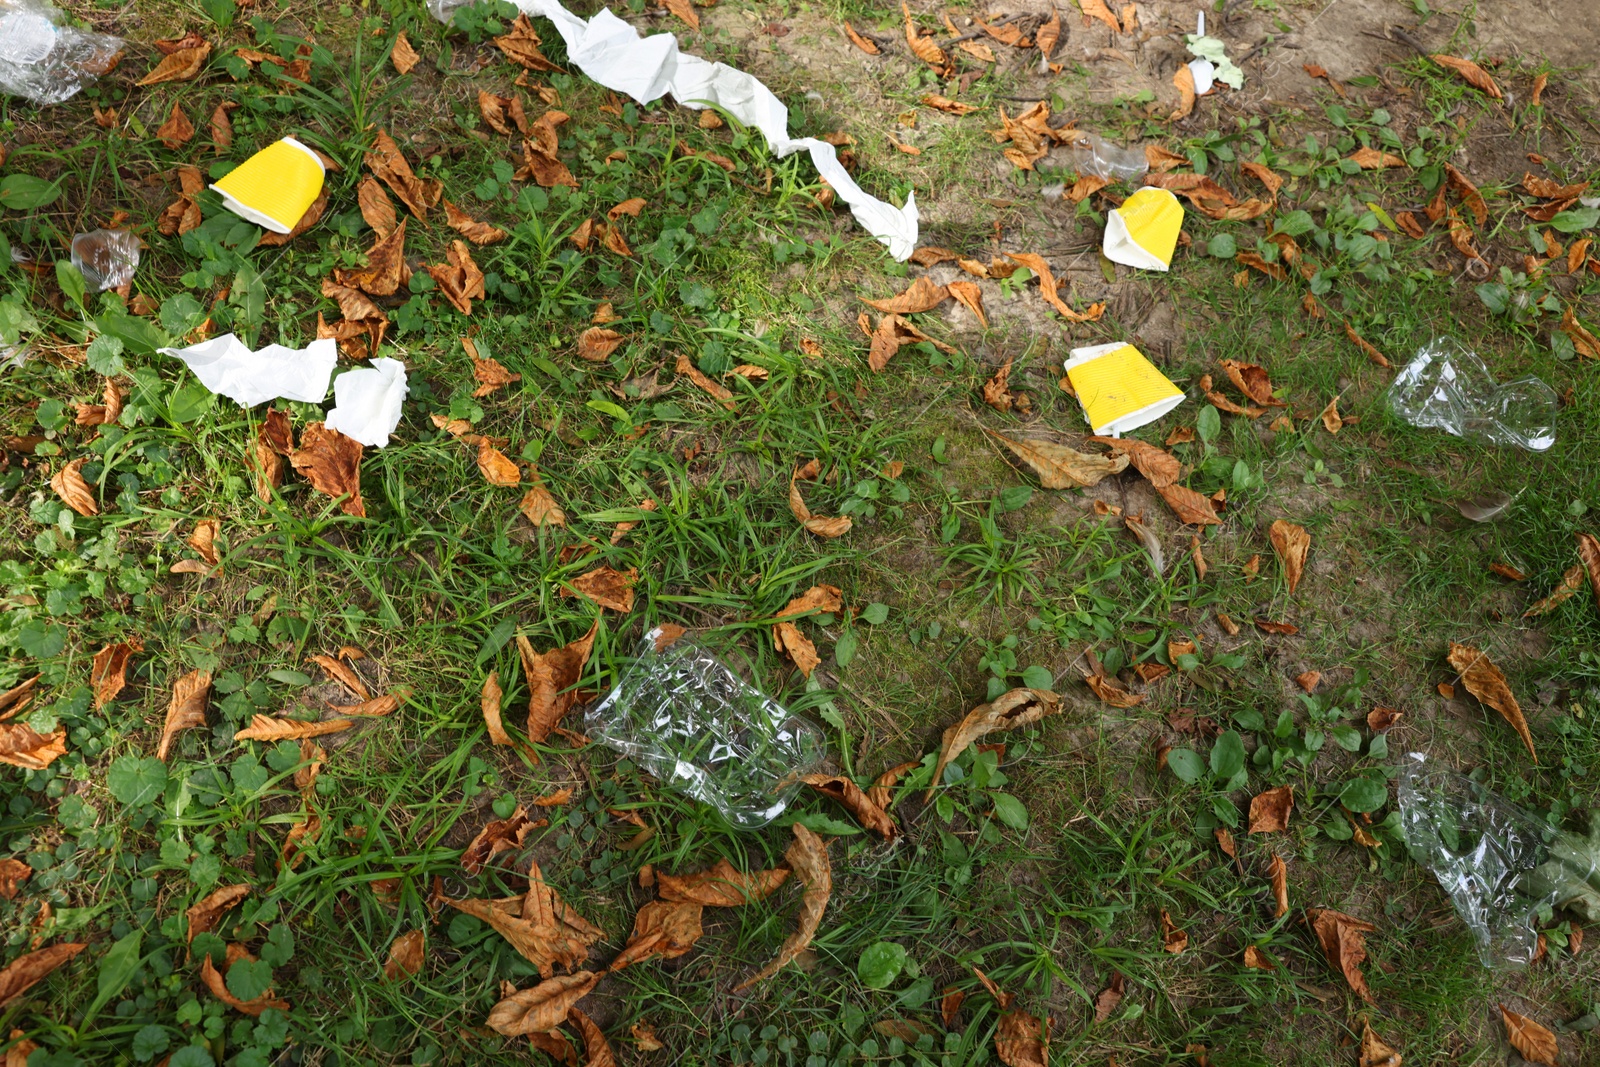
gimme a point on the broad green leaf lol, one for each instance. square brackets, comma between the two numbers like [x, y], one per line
[105, 356]
[1186, 764]
[1009, 810]
[136, 780]
[1223, 246]
[24, 192]
[880, 964]
[1038, 678]
[1364, 794]
[844, 650]
[117, 968]
[1577, 220]
[1295, 223]
[1227, 754]
[875, 613]
[1208, 424]
[249, 979]
[70, 279]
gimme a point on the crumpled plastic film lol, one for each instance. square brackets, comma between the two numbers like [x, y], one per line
[105, 258]
[1483, 849]
[705, 732]
[1449, 387]
[43, 61]
[611, 52]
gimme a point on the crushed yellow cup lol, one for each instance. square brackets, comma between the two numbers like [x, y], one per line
[1144, 231]
[1119, 388]
[274, 187]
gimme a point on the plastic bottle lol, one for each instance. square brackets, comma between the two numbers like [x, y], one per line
[1448, 387]
[43, 61]
[1096, 156]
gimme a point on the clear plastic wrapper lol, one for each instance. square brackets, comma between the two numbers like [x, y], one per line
[44, 61]
[1448, 387]
[1488, 854]
[1094, 155]
[105, 258]
[704, 731]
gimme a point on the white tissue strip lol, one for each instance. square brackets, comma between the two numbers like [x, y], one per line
[366, 401]
[611, 52]
[229, 368]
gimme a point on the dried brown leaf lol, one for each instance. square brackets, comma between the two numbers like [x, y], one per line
[1021, 1040]
[1183, 81]
[1485, 681]
[807, 857]
[1060, 467]
[1291, 543]
[597, 343]
[543, 1007]
[539, 506]
[1173, 940]
[921, 295]
[496, 467]
[218, 986]
[846, 792]
[664, 929]
[1533, 1041]
[1048, 288]
[204, 915]
[376, 708]
[970, 296]
[1471, 73]
[108, 673]
[404, 57]
[20, 975]
[22, 746]
[331, 462]
[178, 66]
[520, 44]
[607, 587]
[1468, 193]
[1257, 960]
[1344, 941]
[1097, 9]
[187, 708]
[376, 207]
[390, 166]
[268, 728]
[821, 525]
[551, 678]
[1269, 811]
[1019, 707]
[869, 47]
[69, 485]
[406, 954]
[921, 47]
[1111, 691]
[711, 388]
[1371, 159]
[497, 836]
[721, 886]
[343, 674]
[479, 233]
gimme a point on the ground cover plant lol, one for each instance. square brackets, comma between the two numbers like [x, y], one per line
[296, 762]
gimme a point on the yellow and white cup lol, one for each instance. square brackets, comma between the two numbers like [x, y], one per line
[1119, 389]
[274, 187]
[1144, 231]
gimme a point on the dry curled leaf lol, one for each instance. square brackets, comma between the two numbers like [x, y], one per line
[1331, 420]
[969, 296]
[869, 47]
[821, 525]
[376, 208]
[177, 130]
[879, 793]
[921, 47]
[405, 954]
[269, 728]
[684, 10]
[402, 55]
[520, 44]
[1374, 1053]
[108, 673]
[1344, 941]
[489, 702]
[1252, 381]
[13, 872]
[1535, 1043]
[1159, 467]
[331, 462]
[1471, 73]
[1173, 940]
[187, 708]
[661, 929]
[597, 343]
[1060, 467]
[1485, 681]
[1109, 998]
[1183, 81]
[1368, 349]
[846, 792]
[204, 915]
[21, 973]
[1589, 554]
[334, 668]
[1368, 158]
[69, 485]
[479, 233]
[497, 836]
[22, 746]
[1049, 290]
[1278, 876]
[459, 278]
[1269, 811]
[921, 295]
[607, 587]
[1468, 193]
[1256, 960]
[807, 857]
[686, 368]
[1019, 707]
[721, 886]
[1291, 543]
[543, 1007]
[1571, 582]
[1097, 9]
[1021, 1040]
[218, 986]
[1192, 508]
[181, 65]
[551, 678]
[388, 164]
[496, 467]
[375, 708]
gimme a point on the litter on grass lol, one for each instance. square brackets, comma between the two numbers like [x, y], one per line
[702, 730]
[1503, 868]
[1448, 387]
[1094, 156]
[274, 187]
[227, 367]
[611, 52]
[45, 62]
[1119, 388]
[1143, 232]
[367, 401]
[105, 258]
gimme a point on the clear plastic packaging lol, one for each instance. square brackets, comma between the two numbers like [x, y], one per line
[1485, 852]
[105, 258]
[1095, 156]
[704, 731]
[444, 10]
[1448, 387]
[44, 61]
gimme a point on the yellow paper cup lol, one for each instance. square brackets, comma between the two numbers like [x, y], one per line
[1119, 389]
[274, 187]
[1144, 230]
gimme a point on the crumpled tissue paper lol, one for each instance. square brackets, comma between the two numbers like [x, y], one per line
[367, 401]
[229, 368]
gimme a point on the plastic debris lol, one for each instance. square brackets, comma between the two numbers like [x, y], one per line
[1119, 388]
[704, 731]
[227, 367]
[1448, 387]
[1097, 157]
[274, 187]
[105, 258]
[367, 401]
[45, 62]
[1213, 56]
[611, 52]
[1143, 232]
[1572, 873]
[1503, 868]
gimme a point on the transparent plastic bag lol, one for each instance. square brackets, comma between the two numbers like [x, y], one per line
[1095, 156]
[105, 258]
[1448, 387]
[704, 731]
[1484, 850]
[44, 61]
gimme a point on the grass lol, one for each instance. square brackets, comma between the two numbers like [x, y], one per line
[1047, 864]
